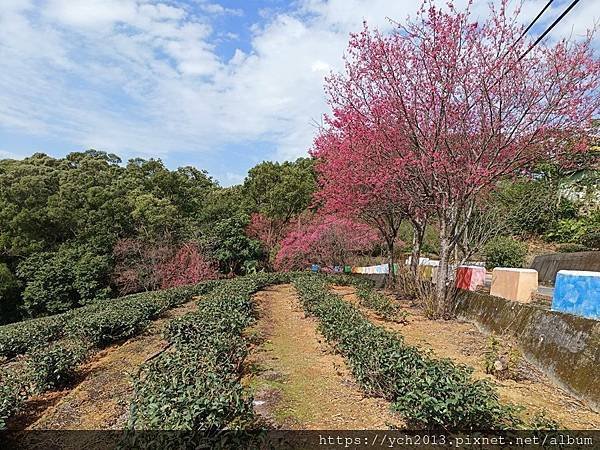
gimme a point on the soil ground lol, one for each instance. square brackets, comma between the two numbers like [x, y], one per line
[100, 401]
[464, 343]
[297, 380]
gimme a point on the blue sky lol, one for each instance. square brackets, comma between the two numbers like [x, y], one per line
[221, 85]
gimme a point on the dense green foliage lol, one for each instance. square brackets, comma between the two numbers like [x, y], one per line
[583, 230]
[9, 294]
[504, 252]
[434, 393]
[60, 219]
[74, 229]
[280, 191]
[230, 245]
[54, 366]
[12, 394]
[18, 338]
[63, 280]
[558, 202]
[195, 386]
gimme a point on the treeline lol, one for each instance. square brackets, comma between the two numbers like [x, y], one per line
[89, 227]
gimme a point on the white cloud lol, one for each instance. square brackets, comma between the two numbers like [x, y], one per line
[143, 76]
[233, 178]
[8, 155]
[215, 8]
[90, 13]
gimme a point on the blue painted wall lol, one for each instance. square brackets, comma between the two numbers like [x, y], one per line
[577, 294]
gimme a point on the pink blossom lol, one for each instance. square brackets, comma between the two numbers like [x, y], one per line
[324, 240]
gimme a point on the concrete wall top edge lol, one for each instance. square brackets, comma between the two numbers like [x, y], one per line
[514, 269]
[579, 273]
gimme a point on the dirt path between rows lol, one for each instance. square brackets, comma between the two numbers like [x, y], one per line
[297, 380]
[101, 400]
[464, 343]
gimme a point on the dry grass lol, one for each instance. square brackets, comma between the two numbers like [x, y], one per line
[463, 343]
[298, 382]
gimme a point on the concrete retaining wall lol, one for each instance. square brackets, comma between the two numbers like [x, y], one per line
[565, 347]
[549, 265]
[378, 278]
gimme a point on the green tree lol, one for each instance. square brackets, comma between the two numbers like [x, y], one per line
[230, 246]
[9, 295]
[281, 191]
[58, 281]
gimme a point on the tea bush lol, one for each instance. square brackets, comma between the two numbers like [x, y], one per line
[53, 367]
[428, 392]
[12, 394]
[196, 385]
[380, 303]
[101, 322]
[18, 338]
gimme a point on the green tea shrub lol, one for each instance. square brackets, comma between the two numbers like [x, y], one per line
[54, 367]
[55, 346]
[380, 303]
[18, 338]
[195, 385]
[12, 394]
[101, 322]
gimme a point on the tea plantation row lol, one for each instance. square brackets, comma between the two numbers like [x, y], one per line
[196, 386]
[55, 346]
[431, 393]
[20, 337]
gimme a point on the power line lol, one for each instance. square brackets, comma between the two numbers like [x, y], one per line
[538, 40]
[549, 29]
[530, 26]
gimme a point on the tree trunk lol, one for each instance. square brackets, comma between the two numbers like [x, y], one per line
[418, 235]
[391, 261]
[442, 275]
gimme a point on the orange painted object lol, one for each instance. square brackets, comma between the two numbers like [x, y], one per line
[470, 277]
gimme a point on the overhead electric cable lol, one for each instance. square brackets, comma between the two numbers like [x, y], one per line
[549, 29]
[530, 26]
[539, 39]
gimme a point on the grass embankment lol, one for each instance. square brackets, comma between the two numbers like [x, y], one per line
[431, 393]
[52, 348]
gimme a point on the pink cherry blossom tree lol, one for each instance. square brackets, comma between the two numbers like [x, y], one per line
[458, 104]
[187, 266]
[268, 231]
[148, 266]
[324, 240]
[354, 181]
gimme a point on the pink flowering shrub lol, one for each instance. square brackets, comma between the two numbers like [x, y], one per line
[324, 240]
[188, 266]
[145, 266]
[267, 231]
